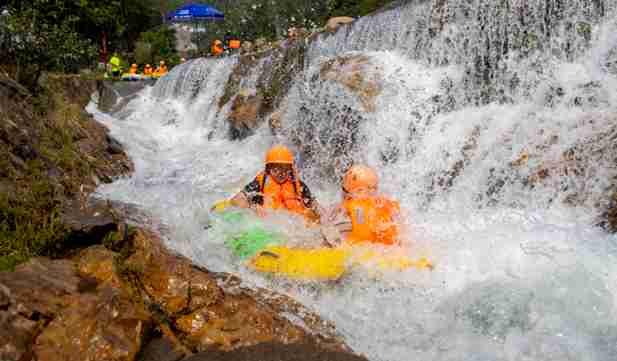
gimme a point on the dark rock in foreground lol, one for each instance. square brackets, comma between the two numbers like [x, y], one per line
[274, 352]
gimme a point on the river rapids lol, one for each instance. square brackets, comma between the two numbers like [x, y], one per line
[495, 125]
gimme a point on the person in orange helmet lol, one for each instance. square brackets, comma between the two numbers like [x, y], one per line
[133, 70]
[364, 215]
[162, 69]
[148, 70]
[217, 48]
[278, 187]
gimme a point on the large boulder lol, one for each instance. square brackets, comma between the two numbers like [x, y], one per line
[30, 297]
[16, 331]
[358, 74]
[211, 311]
[97, 264]
[235, 322]
[245, 113]
[170, 281]
[41, 287]
[103, 305]
[107, 326]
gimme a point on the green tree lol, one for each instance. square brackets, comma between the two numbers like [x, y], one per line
[43, 38]
[162, 43]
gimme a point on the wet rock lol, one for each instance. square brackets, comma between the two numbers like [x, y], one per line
[89, 224]
[210, 311]
[245, 113]
[335, 23]
[89, 218]
[276, 121]
[357, 74]
[277, 352]
[102, 326]
[16, 331]
[303, 317]
[30, 297]
[170, 280]
[112, 96]
[114, 146]
[41, 287]
[161, 349]
[16, 335]
[97, 262]
[609, 218]
[236, 322]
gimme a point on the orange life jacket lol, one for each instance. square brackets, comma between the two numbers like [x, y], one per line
[148, 71]
[281, 196]
[133, 71]
[162, 70]
[372, 220]
[217, 49]
[234, 44]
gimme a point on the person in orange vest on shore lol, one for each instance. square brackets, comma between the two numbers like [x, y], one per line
[364, 216]
[148, 70]
[217, 48]
[278, 187]
[133, 70]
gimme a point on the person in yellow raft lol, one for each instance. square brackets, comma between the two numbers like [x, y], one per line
[148, 70]
[364, 215]
[161, 70]
[134, 69]
[363, 218]
[278, 187]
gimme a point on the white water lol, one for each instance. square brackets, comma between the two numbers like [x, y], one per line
[522, 273]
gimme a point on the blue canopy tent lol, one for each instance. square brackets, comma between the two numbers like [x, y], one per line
[195, 14]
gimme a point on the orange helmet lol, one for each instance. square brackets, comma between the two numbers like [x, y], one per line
[360, 178]
[279, 154]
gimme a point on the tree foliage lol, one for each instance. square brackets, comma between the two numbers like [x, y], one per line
[64, 35]
[40, 38]
[162, 43]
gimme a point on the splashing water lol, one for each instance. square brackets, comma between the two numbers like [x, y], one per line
[494, 125]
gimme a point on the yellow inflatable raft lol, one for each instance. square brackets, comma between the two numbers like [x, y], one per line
[327, 264]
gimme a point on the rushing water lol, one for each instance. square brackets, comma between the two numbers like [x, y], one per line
[496, 127]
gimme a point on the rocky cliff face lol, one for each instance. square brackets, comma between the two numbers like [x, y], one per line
[52, 155]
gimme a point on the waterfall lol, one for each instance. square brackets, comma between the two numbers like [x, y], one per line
[493, 122]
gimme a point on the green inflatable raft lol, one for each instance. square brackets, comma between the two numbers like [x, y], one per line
[252, 236]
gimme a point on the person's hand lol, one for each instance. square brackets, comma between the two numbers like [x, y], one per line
[260, 211]
[331, 237]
